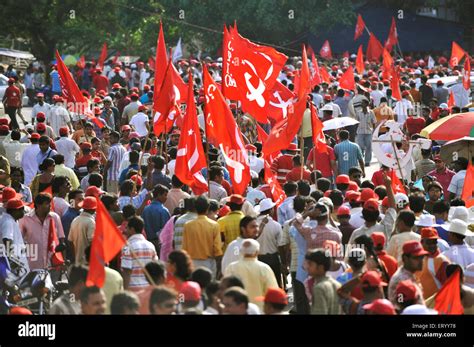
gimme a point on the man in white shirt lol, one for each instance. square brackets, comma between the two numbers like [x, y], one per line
[67, 147]
[144, 75]
[59, 117]
[29, 163]
[401, 108]
[41, 106]
[459, 252]
[14, 148]
[216, 190]
[457, 182]
[376, 94]
[140, 121]
[256, 164]
[461, 95]
[131, 109]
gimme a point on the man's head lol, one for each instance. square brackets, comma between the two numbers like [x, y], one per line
[355, 174]
[344, 135]
[61, 186]
[202, 205]
[44, 143]
[135, 226]
[160, 193]
[441, 210]
[275, 301]
[125, 303]
[176, 183]
[317, 262]
[88, 129]
[76, 197]
[163, 301]
[248, 227]
[158, 162]
[216, 174]
[413, 254]
[405, 220]
[42, 204]
[440, 164]
[435, 189]
[114, 137]
[92, 301]
[235, 301]
[460, 164]
[249, 248]
[429, 240]
[290, 188]
[370, 211]
[15, 208]
[320, 213]
[77, 279]
[236, 202]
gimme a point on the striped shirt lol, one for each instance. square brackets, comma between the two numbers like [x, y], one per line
[348, 154]
[179, 228]
[366, 122]
[116, 153]
[143, 253]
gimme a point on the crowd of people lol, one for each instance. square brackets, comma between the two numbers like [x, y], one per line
[343, 242]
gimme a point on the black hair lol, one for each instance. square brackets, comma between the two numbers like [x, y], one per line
[215, 171]
[290, 188]
[203, 276]
[417, 202]
[124, 300]
[134, 157]
[15, 135]
[451, 268]
[317, 194]
[157, 270]
[159, 162]
[115, 135]
[190, 204]
[107, 199]
[232, 281]
[95, 179]
[41, 198]
[336, 197]
[136, 223]
[320, 257]
[94, 140]
[299, 204]
[370, 215]
[44, 139]
[91, 163]
[176, 182]
[88, 291]
[440, 206]
[58, 181]
[202, 204]
[407, 217]
[381, 192]
[457, 202]
[238, 295]
[343, 135]
[304, 188]
[234, 207]
[183, 263]
[244, 222]
[354, 170]
[367, 184]
[72, 194]
[160, 295]
[127, 187]
[48, 162]
[58, 159]
[323, 184]
[159, 190]
[129, 211]
[77, 273]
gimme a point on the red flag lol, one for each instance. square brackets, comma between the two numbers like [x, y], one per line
[316, 79]
[75, 100]
[360, 26]
[190, 157]
[255, 69]
[457, 53]
[448, 298]
[117, 55]
[165, 107]
[325, 77]
[82, 62]
[326, 51]
[151, 63]
[304, 82]
[280, 97]
[262, 138]
[387, 64]
[227, 134]
[451, 100]
[392, 38]
[161, 64]
[57, 258]
[466, 75]
[395, 84]
[374, 48]
[347, 79]
[317, 126]
[309, 50]
[229, 85]
[181, 89]
[468, 188]
[107, 242]
[278, 195]
[397, 185]
[103, 56]
[360, 67]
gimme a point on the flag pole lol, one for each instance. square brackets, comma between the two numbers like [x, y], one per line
[302, 153]
[398, 160]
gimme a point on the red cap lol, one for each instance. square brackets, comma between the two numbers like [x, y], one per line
[380, 306]
[35, 136]
[414, 248]
[89, 203]
[293, 147]
[191, 291]
[439, 83]
[4, 128]
[368, 193]
[15, 204]
[101, 93]
[372, 279]
[378, 238]
[327, 193]
[11, 80]
[40, 116]
[41, 127]
[385, 202]
[97, 100]
[146, 87]
[405, 93]
[39, 95]
[352, 196]
[237, 199]
[97, 110]
[233, 106]
[125, 127]
[117, 68]
[250, 148]
[137, 179]
[224, 211]
[85, 145]
[407, 290]
[134, 95]
[94, 191]
[134, 90]
[63, 131]
[20, 311]
[4, 121]
[274, 296]
[9, 193]
[343, 179]
[327, 97]
[429, 233]
[142, 108]
[343, 211]
[116, 86]
[176, 132]
[371, 204]
[353, 186]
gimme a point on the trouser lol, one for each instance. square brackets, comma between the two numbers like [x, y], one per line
[209, 263]
[299, 296]
[273, 260]
[352, 129]
[11, 111]
[365, 143]
[308, 145]
[112, 186]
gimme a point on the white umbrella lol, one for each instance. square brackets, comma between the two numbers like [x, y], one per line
[340, 122]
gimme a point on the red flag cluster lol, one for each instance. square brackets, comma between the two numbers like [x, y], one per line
[359, 29]
[326, 51]
[392, 39]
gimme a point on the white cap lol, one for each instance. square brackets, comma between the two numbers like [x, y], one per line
[426, 220]
[459, 212]
[107, 98]
[327, 108]
[249, 247]
[328, 202]
[443, 105]
[265, 205]
[417, 72]
[418, 309]
[353, 56]
[133, 66]
[29, 127]
[459, 227]
[219, 59]
[401, 200]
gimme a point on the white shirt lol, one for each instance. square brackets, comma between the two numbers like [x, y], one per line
[457, 183]
[401, 109]
[14, 151]
[336, 110]
[171, 167]
[144, 75]
[68, 148]
[285, 211]
[60, 205]
[460, 254]
[216, 191]
[356, 218]
[232, 253]
[461, 95]
[255, 195]
[376, 95]
[139, 123]
[46, 108]
[256, 164]
[58, 117]
[29, 163]
[270, 238]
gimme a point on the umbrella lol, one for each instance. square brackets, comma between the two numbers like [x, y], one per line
[340, 122]
[454, 149]
[451, 127]
[70, 60]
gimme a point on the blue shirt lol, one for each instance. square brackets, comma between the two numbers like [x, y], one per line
[159, 178]
[442, 232]
[226, 174]
[301, 273]
[41, 156]
[144, 99]
[124, 172]
[55, 85]
[155, 217]
[348, 154]
[67, 218]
